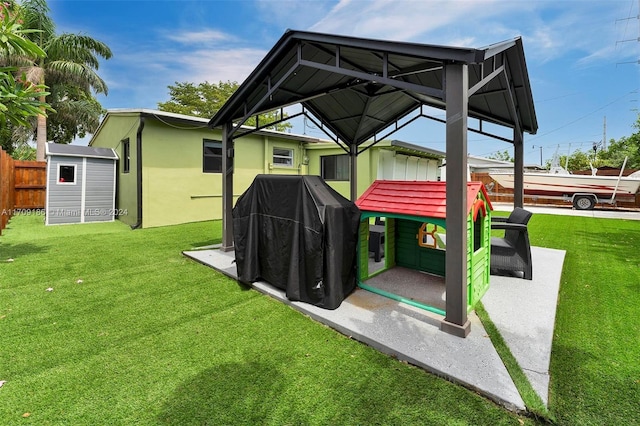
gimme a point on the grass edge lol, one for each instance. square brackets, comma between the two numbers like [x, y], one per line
[532, 401]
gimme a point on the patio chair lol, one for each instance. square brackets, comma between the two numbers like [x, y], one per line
[513, 252]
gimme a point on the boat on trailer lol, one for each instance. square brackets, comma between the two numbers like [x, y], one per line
[584, 191]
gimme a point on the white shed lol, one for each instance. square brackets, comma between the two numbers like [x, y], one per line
[81, 184]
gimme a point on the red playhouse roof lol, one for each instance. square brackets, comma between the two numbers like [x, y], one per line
[416, 198]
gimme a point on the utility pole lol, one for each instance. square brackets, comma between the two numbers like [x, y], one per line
[539, 146]
[604, 133]
[635, 39]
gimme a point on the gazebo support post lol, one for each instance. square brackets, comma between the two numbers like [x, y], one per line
[227, 188]
[518, 168]
[456, 98]
[353, 180]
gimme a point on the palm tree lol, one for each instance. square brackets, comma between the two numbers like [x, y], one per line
[71, 61]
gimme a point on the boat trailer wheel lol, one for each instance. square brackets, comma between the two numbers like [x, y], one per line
[583, 202]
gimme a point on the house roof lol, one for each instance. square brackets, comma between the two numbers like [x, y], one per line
[392, 145]
[358, 87]
[412, 148]
[414, 198]
[171, 118]
[65, 150]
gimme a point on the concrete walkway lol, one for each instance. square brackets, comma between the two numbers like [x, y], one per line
[523, 311]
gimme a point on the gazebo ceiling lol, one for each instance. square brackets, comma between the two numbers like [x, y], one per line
[358, 87]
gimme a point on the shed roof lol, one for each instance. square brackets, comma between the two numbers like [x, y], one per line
[358, 87]
[80, 151]
[414, 198]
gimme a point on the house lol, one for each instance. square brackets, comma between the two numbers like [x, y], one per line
[414, 217]
[386, 160]
[170, 164]
[170, 167]
[81, 184]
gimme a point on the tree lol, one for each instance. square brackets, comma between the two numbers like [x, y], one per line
[626, 146]
[578, 160]
[501, 156]
[77, 114]
[19, 98]
[69, 67]
[205, 99]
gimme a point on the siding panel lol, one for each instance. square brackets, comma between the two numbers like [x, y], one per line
[64, 200]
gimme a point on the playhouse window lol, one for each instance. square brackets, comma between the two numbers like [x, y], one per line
[283, 157]
[478, 232]
[429, 236]
[334, 167]
[211, 156]
[66, 174]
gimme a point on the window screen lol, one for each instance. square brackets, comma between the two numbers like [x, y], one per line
[335, 167]
[283, 157]
[211, 156]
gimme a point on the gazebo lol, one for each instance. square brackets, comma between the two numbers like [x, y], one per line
[358, 90]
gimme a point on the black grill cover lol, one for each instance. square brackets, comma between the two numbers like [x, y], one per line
[298, 234]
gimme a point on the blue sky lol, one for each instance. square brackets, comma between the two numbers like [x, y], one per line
[576, 52]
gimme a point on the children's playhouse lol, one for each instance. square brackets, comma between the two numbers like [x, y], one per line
[408, 219]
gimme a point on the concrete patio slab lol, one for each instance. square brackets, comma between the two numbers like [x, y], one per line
[413, 335]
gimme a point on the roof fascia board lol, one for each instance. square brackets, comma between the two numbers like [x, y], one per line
[427, 51]
[188, 119]
[527, 86]
[103, 157]
[413, 147]
[497, 48]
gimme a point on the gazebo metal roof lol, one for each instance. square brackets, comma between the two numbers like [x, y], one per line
[358, 87]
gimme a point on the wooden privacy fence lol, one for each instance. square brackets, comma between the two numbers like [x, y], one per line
[22, 186]
[30, 184]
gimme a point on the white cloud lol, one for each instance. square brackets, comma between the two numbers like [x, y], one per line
[202, 36]
[432, 22]
[220, 65]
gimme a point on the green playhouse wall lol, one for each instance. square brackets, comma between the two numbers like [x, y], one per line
[402, 249]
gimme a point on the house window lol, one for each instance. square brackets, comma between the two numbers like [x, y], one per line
[282, 157]
[334, 167]
[66, 174]
[211, 156]
[126, 155]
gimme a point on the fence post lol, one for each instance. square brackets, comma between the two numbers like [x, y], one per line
[7, 184]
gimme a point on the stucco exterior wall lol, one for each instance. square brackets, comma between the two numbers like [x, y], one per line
[174, 187]
[111, 134]
[176, 190]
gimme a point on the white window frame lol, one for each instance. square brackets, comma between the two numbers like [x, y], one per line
[75, 174]
[289, 158]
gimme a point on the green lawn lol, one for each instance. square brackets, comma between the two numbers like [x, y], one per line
[134, 333]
